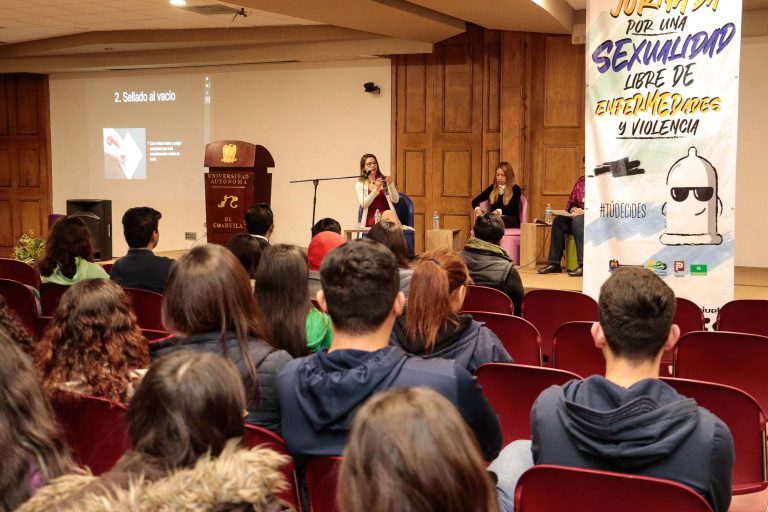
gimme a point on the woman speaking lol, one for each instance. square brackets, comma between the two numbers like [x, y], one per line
[374, 191]
[503, 195]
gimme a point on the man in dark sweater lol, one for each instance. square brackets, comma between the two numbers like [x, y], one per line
[140, 268]
[488, 263]
[260, 222]
[321, 393]
[630, 421]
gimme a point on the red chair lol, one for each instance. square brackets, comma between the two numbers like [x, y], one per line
[511, 389]
[19, 271]
[573, 349]
[747, 316]
[519, 337]
[108, 267]
[549, 309]
[729, 358]
[257, 436]
[95, 428]
[50, 296]
[491, 300]
[148, 307]
[745, 420]
[321, 475]
[548, 488]
[152, 335]
[22, 302]
[689, 318]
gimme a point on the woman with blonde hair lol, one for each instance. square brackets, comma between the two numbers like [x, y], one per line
[374, 190]
[503, 196]
[431, 325]
[93, 344]
[410, 450]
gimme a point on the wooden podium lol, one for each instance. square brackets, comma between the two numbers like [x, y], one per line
[237, 177]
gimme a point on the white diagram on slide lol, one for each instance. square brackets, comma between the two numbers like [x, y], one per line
[133, 156]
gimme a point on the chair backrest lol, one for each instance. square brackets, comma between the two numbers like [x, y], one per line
[50, 296]
[257, 436]
[108, 267]
[148, 307]
[519, 337]
[549, 309]
[747, 316]
[154, 335]
[511, 389]
[484, 298]
[573, 349]
[322, 475]
[96, 429]
[688, 316]
[548, 488]
[19, 271]
[745, 420]
[21, 300]
[730, 358]
[405, 211]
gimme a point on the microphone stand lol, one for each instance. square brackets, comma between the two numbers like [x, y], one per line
[316, 182]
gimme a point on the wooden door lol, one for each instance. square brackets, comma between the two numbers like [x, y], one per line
[25, 171]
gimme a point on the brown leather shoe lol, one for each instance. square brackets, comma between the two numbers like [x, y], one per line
[578, 272]
[550, 269]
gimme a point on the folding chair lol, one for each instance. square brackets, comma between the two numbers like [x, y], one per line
[20, 299]
[19, 271]
[322, 475]
[747, 316]
[548, 488]
[490, 300]
[549, 309]
[257, 436]
[519, 337]
[573, 349]
[148, 307]
[511, 389]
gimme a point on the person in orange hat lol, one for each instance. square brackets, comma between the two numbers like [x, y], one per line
[320, 245]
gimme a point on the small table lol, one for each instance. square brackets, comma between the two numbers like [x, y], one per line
[351, 231]
[531, 242]
[443, 238]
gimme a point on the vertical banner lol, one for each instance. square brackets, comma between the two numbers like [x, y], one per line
[661, 133]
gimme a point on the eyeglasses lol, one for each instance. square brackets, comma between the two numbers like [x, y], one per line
[680, 194]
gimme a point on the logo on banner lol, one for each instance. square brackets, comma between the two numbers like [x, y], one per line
[658, 267]
[679, 267]
[613, 265]
[698, 270]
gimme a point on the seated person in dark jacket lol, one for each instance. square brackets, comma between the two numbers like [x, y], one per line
[320, 394]
[140, 268]
[488, 263]
[260, 223]
[630, 421]
[503, 196]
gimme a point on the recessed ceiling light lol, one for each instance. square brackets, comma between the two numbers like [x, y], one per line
[178, 3]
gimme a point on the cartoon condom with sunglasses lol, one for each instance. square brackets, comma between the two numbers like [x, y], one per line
[694, 205]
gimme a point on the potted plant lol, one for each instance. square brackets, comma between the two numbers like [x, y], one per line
[29, 249]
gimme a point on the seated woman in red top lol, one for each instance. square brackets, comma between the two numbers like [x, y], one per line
[374, 191]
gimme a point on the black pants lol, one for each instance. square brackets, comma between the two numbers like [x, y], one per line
[563, 226]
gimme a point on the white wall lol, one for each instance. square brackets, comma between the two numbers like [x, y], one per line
[751, 161]
[315, 119]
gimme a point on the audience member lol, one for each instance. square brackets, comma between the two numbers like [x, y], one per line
[32, 447]
[140, 268]
[320, 245]
[93, 344]
[410, 450]
[247, 249]
[430, 326]
[391, 235]
[281, 293]
[629, 420]
[185, 423]
[209, 307]
[10, 324]
[68, 254]
[259, 222]
[320, 394]
[488, 263]
[326, 224]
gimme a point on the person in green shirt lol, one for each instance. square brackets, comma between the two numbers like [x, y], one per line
[68, 255]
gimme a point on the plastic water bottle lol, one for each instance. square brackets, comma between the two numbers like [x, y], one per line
[377, 216]
[548, 214]
[435, 220]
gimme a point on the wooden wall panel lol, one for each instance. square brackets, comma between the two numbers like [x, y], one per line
[5, 112]
[493, 86]
[27, 105]
[415, 94]
[564, 67]
[456, 178]
[6, 227]
[558, 170]
[5, 167]
[514, 108]
[414, 170]
[29, 167]
[30, 216]
[456, 67]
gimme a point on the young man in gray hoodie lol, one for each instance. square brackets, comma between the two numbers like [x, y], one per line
[630, 421]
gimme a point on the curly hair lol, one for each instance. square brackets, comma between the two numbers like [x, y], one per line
[13, 328]
[28, 429]
[68, 239]
[93, 340]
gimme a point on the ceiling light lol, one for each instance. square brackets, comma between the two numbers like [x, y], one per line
[178, 3]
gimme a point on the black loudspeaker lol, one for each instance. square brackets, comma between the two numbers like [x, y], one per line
[97, 215]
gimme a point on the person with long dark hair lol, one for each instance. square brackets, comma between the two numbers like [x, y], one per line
[209, 307]
[247, 249]
[391, 235]
[93, 344]
[410, 450]
[503, 196]
[281, 293]
[431, 325]
[185, 424]
[374, 190]
[10, 324]
[68, 254]
[32, 447]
